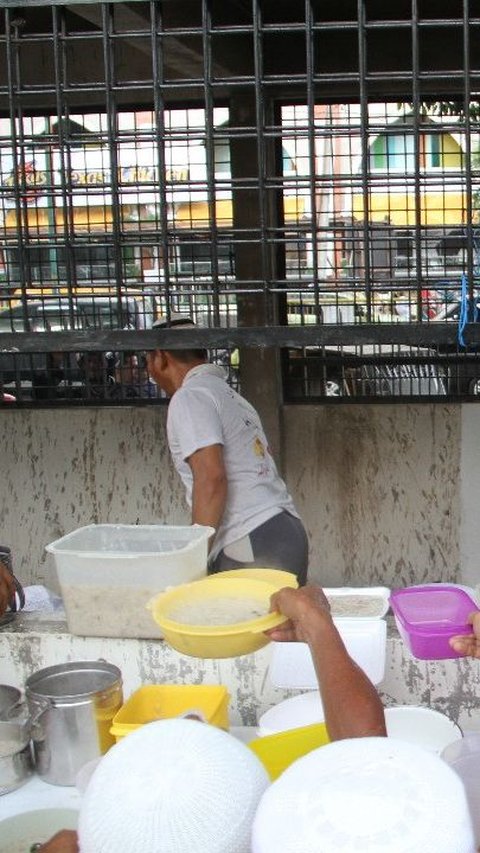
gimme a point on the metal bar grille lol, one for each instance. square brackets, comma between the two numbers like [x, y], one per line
[301, 175]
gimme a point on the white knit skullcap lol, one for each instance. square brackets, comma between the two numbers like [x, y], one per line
[369, 794]
[172, 786]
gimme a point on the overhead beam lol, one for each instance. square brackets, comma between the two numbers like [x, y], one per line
[362, 334]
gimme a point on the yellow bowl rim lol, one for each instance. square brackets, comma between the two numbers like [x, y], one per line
[244, 574]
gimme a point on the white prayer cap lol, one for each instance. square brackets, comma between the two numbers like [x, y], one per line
[173, 786]
[368, 794]
[174, 320]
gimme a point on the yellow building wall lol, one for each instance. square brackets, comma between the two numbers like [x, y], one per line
[39, 219]
[196, 214]
[399, 208]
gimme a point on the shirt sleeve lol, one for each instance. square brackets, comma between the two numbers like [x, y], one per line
[193, 421]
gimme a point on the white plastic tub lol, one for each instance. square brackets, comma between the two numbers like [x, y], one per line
[292, 666]
[108, 573]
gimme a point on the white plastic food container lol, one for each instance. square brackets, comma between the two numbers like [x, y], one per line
[108, 573]
[364, 633]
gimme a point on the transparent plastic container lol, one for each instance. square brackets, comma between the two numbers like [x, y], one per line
[108, 572]
[464, 757]
[428, 615]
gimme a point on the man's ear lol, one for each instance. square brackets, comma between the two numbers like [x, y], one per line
[163, 358]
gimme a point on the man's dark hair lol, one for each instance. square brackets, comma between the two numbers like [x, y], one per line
[179, 321]
[187, 355]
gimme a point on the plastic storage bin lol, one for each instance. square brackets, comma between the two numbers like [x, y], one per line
[278, 751]
[108, 573]
[161, 701]
[428, 615]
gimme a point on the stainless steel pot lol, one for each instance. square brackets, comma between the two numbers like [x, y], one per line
[10, 701]
[15, 756]
[71, 710]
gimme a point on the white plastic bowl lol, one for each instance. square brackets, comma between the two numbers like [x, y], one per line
[302, 710]
[415, 724]
[19, 832]
[422, 726]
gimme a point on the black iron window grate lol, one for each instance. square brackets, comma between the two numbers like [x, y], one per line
[303, 175]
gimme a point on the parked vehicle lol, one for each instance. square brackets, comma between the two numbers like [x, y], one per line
[43, 375]
[380, 371]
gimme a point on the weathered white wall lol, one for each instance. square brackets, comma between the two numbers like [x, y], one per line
[63, 469]
[380, 489]
[389, 493]
[32, 643]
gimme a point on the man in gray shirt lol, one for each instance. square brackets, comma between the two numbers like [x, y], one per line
[221, 453]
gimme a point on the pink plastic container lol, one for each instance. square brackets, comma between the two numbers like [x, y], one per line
[428, 615]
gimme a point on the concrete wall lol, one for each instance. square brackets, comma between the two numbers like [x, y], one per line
[33, 642]
[381, 489]
[389, 493]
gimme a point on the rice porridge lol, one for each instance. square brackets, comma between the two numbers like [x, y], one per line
[356, 605]
[218, 611]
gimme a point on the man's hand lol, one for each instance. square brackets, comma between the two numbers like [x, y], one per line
[7, 587]
[65, 841]
[469, 644]
[305, 607]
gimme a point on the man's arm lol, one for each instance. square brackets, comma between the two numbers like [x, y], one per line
[209, 493]
[351, 703]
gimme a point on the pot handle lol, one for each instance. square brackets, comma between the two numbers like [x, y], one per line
[34, 718]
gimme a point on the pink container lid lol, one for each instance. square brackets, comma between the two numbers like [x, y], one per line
[440, 607]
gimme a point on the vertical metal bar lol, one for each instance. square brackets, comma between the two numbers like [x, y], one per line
[18, 156]
[157, 36]
[468, 149]
[210, 152]
[111, 111]
[64, 154]
[364, 132]
[416, 157]
[262, 163]
[310, 69]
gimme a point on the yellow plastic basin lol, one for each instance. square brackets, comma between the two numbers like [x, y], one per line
[278, 751]
[216, 641]
[278, 577]
[161, 701]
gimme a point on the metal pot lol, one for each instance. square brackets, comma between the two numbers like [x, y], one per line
[71, 710]
[10, 701]
[15, 756]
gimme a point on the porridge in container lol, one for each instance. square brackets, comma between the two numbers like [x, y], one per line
[224, 610]
[216, 617]
[362, 602]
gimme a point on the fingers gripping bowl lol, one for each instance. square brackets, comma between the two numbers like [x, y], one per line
[216, 617]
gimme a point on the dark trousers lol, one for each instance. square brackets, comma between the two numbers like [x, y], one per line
[279, 543]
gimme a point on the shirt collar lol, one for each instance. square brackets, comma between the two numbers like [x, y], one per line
[205, 370]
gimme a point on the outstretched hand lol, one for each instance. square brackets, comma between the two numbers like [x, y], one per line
[469, 644]
[303, 607]
[7, 587]
[65, 841]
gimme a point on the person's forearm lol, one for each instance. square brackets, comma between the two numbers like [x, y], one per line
[208, 503]
[351, 703]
